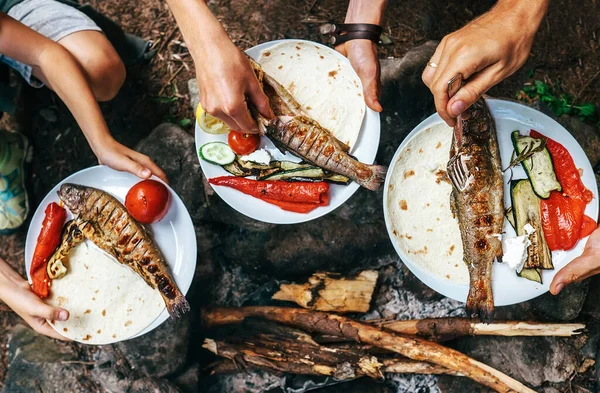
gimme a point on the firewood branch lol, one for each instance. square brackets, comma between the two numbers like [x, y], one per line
[410, 347]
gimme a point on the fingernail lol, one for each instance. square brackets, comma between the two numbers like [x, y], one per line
[457, 108]
[559, 288]
[146, 173]
[63, 315]
[378, 106]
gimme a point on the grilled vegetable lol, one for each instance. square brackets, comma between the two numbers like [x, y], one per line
[47, 241]
[531, 274]
[537, 162]
[526, 209]
[216, 153]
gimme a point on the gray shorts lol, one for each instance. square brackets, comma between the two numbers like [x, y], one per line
[51, 19]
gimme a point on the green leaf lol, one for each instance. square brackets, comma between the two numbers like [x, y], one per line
[165, 100]
[185, 122]
[586, 110]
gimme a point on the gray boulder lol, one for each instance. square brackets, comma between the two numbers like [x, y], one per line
[566, 305]
[153, 385]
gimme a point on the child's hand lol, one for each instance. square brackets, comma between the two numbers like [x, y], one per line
[122, 158]
[17, 295]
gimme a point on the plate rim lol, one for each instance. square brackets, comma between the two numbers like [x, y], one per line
[163, 316]
[297, 218]
[447, 288]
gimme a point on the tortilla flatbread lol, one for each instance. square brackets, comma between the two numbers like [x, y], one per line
[107, 301]
[325, 85]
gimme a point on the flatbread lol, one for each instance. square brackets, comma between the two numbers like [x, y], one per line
[419, 206]
[107, 301]
[325, 85]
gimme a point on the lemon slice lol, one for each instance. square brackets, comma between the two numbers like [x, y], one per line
[210, 124]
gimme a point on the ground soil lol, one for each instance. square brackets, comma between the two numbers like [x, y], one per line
[567, 48]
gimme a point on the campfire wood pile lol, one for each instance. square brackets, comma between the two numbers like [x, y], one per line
[310, 342]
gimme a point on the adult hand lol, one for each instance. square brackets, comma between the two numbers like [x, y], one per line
[226, 81]
[485, 51]
[587, 265]
[363, 57]
[119, 157]
[17, 294]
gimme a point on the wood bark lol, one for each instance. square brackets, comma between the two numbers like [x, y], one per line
[332, 292]
[410, 347]
[447, 328]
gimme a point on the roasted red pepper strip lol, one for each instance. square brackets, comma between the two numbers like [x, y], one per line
[563, 212]
[588, 226]
[295, 207]
[47, 241]
[295, 192]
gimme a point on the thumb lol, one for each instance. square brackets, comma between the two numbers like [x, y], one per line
[475, 87]
[50, 313]
[578, 269]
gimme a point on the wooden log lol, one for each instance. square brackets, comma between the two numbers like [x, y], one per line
[410, 347]
[332, 292]
[444, 328]
[344, 367]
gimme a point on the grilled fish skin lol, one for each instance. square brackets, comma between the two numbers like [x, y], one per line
[292, 129]
[477, 202]
[71, 237]
[105, 222]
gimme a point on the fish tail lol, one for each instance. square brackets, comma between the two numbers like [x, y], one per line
[177, 306]
[480, 303]
[377, 178]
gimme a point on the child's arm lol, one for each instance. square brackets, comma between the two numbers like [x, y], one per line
[59, 69]
[17, 294]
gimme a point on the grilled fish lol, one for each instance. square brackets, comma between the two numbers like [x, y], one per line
[477, 202]
[105, 222]
[293, 130]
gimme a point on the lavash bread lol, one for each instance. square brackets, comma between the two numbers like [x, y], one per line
[419, 206]
[325, 85]
[107, 301]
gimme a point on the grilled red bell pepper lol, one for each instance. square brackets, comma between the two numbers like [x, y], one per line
[588, 226]
[47, 241]
[281, 193]
[563, 212]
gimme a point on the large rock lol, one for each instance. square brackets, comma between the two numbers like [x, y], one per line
[40, 364]
[153, 385]
[161, 352]
[566, 305]
[174, 151]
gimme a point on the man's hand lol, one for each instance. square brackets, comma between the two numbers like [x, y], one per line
[485, 51]
[17, 295]
[119, 157]
[226, 80]
[587, 265]
[363, 57]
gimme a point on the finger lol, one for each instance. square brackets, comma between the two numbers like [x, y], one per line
[475, 87]
[239, 113]
[127, 164]
[45, 311]
[577, 270]
[219, 114]
[371, 92]
[429, 71]
[149, 164]
[43, 327]
[257, 96]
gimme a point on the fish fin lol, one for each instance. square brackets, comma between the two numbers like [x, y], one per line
[480, 303]
[377, 178]
[178, 306]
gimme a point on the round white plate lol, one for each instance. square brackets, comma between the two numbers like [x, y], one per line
[507, 287]
[174, 234]
[364, 150]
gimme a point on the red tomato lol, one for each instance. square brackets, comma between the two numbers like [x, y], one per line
[147, 201]
[243, 143]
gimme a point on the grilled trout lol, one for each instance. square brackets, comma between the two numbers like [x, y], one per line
[293, 130]
[477, 202]
[105, 222]
[71, 237]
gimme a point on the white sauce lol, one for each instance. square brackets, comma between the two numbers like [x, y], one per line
[515, 249]
[260, 156]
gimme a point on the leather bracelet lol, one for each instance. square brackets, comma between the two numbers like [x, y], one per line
[352, 31]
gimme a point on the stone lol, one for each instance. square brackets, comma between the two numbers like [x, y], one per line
[174, 151]
[160, 352]
[153, 385]
[49, 114]
[40, 364]
[194, 93]
[566, 305]
[187, 380]
[111, 371]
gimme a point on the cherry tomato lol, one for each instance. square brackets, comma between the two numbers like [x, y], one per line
[243, 143]
[147, 201]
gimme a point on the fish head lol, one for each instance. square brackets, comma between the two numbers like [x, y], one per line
[72, 195]
[474, 125]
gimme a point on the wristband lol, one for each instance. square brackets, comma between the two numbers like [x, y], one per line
[354, 31]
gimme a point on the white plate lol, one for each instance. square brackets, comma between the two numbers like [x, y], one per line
[174, 234]
[506, 286]
[364, 150]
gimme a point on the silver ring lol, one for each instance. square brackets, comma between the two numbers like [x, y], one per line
[432, 64]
